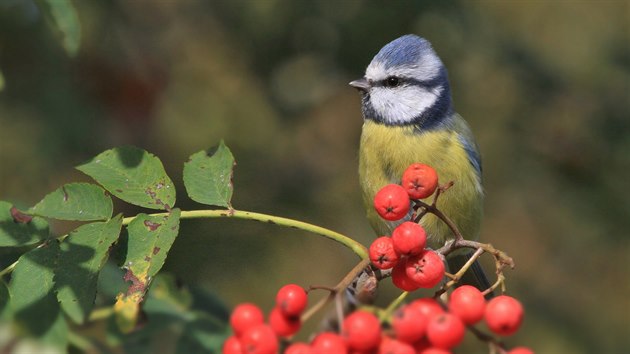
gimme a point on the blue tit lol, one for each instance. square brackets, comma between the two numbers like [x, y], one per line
[409, 117]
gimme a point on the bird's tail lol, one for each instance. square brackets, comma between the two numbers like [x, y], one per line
[474, 276]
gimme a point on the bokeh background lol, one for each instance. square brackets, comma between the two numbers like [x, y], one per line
[544, 85]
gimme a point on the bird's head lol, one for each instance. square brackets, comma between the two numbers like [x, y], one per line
[405, 84]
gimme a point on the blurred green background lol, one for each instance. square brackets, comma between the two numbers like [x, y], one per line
[544, 85]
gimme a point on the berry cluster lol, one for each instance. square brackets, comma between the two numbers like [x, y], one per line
[253, 336]
[413, 266]
[429, 328]
[424, 326]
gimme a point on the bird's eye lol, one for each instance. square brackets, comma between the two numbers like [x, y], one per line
[392, 81]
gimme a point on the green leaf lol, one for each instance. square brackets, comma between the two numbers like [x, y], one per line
[133, 175]
[171, 304]
[33, 275]
[168, 299]
[33, 303]
[150, 239]
[203, 335]
[82, 256]
[110, 278]
[57, 333]
[166, 309]
[210, 304]
[170, 309]
[75, 201]
[67, 21]
[18, 229]
[210, 326]
[208, 176]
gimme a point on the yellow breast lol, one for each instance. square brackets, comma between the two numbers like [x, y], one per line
[386, 151]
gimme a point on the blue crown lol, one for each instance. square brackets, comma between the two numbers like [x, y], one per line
[405, 50]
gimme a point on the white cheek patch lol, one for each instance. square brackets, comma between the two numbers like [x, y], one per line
[429, 67]
[403, 104]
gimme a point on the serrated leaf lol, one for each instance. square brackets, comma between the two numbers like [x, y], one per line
[75, 201]
[83, 254]
[17, 229]
[150, 239]
[32, 278]
[67, 21]
[208, 176]
[133, 175]
[34, 305]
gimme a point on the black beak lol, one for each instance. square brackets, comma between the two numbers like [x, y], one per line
[361, 84]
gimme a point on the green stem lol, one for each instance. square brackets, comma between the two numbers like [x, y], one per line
[353, 245]
[393, 306]
[101, 313]
[80, 342]
[8, 269]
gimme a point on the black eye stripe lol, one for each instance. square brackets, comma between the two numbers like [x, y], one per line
[402, 81]
[391, 81]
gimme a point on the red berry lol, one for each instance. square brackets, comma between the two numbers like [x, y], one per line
[328, 342]
[425, 269]
[467, 303]
[433, 350]
[291, 300]
[419, 180]
[521, 350]
[382, 253]
[391, 202]
[446, 331]
[232, 346]
[362, 330]
[422, 344]
[400, 278]
[245, 316]
[409, 324]
[428, 307]
[259, 339]
[393, 346]
[299, 348]
[409, 238]
[504, 315]
[284, 326]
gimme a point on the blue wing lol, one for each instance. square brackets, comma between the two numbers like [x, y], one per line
[473, 153]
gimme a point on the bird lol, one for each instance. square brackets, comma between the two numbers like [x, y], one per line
[408, 117]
